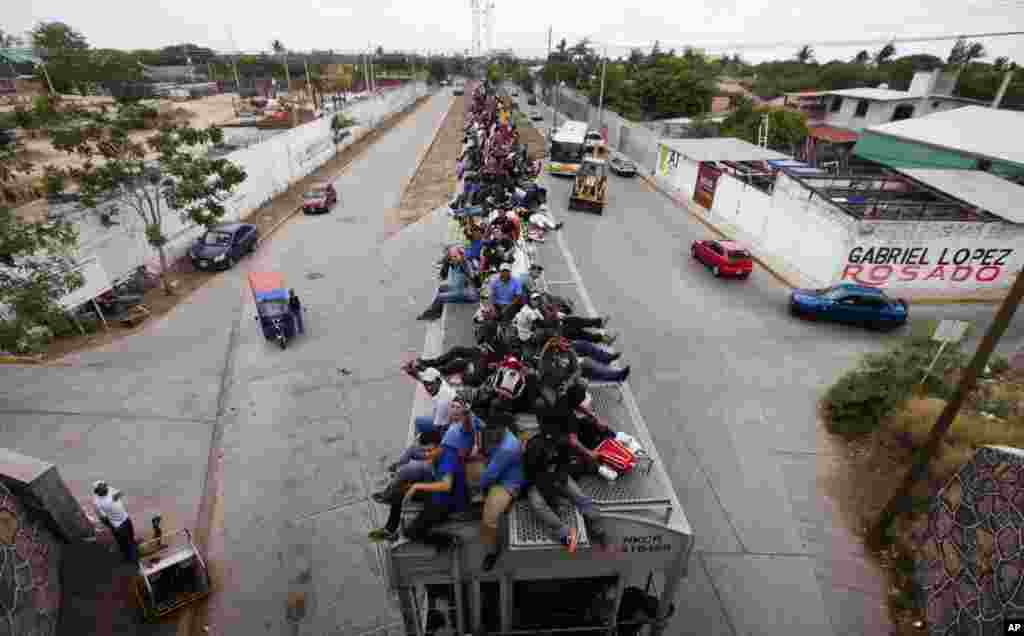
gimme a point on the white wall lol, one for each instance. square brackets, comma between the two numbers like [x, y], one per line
[936, 258]
[821, 242]
[878, 113]
[272, 166]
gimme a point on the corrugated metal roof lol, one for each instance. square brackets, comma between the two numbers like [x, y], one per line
[833, 134]
[973, 130]
[721, 149]
[978, 188]
[877, 94]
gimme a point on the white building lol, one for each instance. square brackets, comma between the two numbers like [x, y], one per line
[917, 233]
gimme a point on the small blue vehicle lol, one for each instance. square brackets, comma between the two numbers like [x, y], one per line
[272, 310]
[851, 304]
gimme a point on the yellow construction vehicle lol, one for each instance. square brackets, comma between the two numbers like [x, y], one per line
[590, 191]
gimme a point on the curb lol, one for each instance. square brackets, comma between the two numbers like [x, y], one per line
[924, 300]
[11, 359]
[430, 146]
[280, 222]
[768, 268]
[355, 140]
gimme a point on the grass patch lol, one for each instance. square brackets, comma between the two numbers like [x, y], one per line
[884, 415]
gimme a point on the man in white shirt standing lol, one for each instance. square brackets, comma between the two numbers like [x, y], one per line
[111, 510]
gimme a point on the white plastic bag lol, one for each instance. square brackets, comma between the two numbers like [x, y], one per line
[629, 442]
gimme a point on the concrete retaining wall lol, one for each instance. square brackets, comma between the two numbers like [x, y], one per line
[272, 165]
[30, 555]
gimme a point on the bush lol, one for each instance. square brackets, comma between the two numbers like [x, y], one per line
[859, 401]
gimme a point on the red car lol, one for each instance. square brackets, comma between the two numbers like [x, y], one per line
[725, 258]
[321, 198]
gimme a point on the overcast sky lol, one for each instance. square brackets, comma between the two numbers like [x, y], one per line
[717, 25]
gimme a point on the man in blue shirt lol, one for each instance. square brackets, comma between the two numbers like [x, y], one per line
[506, 293]
[445, 495]
[460, 275]
[502, 481]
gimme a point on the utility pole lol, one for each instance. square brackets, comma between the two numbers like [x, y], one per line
[600, 101]
[366, 71]
[551, 97]
[899, 501]
[238, 82]
[309, 85]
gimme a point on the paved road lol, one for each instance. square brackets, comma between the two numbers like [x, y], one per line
[141, 413]
[727, 382]
[309, 430]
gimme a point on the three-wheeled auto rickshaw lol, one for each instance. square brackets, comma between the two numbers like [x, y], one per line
[172, 574]
[272, 309]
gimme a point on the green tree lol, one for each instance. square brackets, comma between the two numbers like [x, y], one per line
[884, 54]
[179, 178]
[805, 54]
[863, 57]
[438, 70]
[786, 129]
[964, 52]
[675, 87]
[36, 267]
[51, 37]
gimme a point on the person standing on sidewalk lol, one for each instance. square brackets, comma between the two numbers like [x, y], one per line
[296, 308]
[112, 512]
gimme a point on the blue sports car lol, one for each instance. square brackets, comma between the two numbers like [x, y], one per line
[853, 304]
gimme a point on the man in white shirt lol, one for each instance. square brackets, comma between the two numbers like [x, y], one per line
[111, 511]
[441, 395]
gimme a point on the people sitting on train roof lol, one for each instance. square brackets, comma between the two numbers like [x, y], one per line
[441, 395]
[506, 293]
[444, 495]
[501, 483]
[474, 364]
[545, 461]
[461, 433]
[459, 275]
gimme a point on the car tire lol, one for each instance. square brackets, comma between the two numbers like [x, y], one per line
[716, 272]
[693, 253]
[231, 262]
[794, 310]
[745, 276]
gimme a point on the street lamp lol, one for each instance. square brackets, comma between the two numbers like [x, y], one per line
[600, 102]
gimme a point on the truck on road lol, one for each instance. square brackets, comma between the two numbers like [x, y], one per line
[590, 189]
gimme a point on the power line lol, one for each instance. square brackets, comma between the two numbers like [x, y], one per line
[792, 43]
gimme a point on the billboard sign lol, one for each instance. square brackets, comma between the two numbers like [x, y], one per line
[931, 266]
[707, 181]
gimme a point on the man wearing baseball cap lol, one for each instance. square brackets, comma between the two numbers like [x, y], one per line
[441, 394]
[506, 293]
[111, 511]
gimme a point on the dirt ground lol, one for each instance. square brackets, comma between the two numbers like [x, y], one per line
[264, 218]
[434, 181]
[199, 113]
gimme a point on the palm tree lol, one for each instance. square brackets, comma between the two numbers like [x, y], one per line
[884, 54]
[1001, 63]
[805, 54]
[862, 58]
[963, 53]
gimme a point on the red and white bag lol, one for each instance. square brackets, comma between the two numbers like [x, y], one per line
[613, 454]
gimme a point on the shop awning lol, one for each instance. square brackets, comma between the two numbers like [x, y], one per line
[976, 188]
[832, 134]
